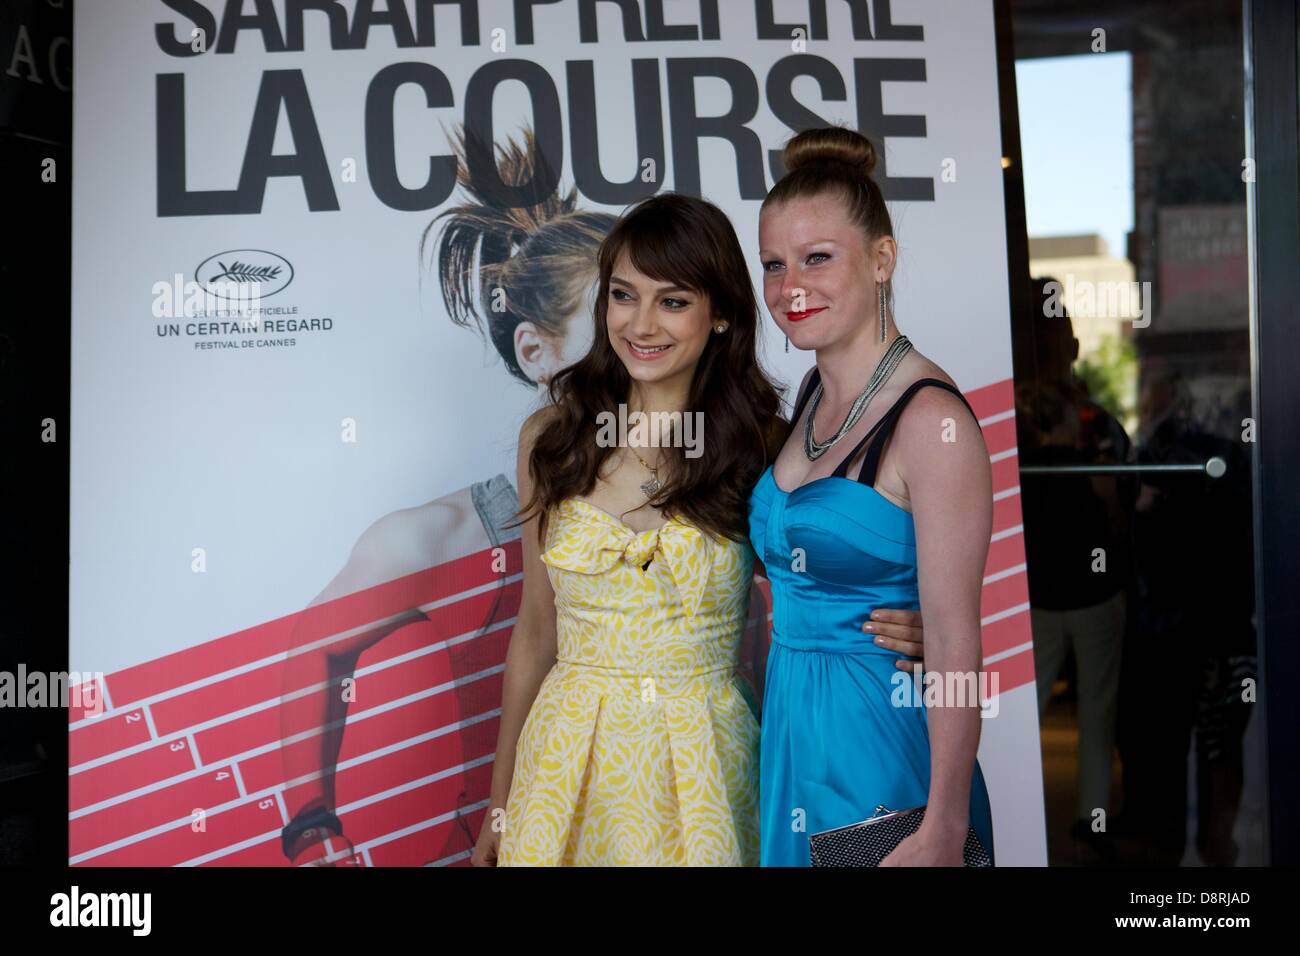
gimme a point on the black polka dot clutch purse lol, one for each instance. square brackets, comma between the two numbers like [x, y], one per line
[869, 842]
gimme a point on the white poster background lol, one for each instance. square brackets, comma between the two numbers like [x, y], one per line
[238, 452]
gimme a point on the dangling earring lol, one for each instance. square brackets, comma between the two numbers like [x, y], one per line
[787, 343]
[881, 286]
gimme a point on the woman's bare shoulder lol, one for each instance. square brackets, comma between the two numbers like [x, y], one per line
[931, 404]
[924, 367]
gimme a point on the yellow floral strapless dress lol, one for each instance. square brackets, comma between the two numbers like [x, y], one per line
[642, 745]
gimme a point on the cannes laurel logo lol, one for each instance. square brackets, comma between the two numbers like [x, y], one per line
[229, 283]
[102, 909]
[239, 269]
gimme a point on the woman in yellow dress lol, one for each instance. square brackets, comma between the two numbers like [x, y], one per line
[627, 736]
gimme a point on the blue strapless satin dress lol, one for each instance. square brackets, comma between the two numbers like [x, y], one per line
[833, 744]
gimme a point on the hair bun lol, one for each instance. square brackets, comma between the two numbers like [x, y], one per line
[833, 144]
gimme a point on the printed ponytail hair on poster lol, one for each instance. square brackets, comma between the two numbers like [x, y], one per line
[500, 264]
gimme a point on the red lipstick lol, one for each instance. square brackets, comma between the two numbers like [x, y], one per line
[800, 316]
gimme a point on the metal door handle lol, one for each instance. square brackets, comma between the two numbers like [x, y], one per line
[1215, 467]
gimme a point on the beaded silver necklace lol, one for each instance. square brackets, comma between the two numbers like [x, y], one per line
[884, 369]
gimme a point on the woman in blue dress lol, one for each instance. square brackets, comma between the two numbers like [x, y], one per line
[881, 497]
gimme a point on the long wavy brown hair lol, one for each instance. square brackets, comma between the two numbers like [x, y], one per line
[689, 242]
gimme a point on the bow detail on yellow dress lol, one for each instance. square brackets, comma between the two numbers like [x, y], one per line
[685, 550]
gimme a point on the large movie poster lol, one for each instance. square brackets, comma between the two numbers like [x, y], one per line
[294, 409]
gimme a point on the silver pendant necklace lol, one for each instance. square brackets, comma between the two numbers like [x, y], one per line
[884, 369]
[650, 487]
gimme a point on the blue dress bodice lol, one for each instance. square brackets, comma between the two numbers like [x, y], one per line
[834, 743]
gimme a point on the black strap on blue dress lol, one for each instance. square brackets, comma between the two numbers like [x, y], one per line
[803, 398]
[881, 430]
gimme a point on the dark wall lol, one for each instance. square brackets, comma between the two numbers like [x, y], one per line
[35, 267]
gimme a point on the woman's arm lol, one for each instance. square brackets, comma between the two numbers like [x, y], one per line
[531, 654]
[949, 483]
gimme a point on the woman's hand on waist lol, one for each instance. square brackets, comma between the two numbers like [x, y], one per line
[899, 631]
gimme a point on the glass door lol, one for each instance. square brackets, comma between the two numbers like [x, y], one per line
[1133, 368]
